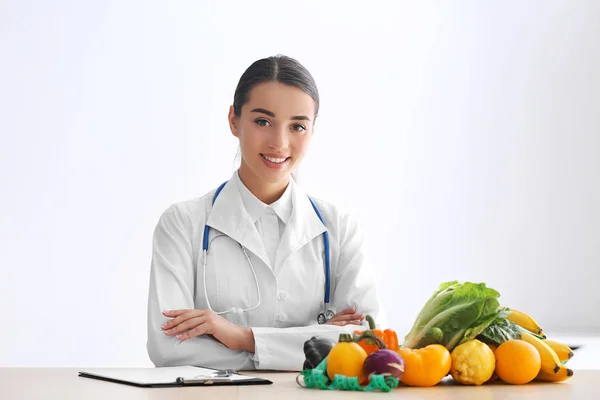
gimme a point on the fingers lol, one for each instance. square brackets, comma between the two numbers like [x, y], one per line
[197, 331]
[350, 310]
[180, 316]
[191, 323]
[174, 313]
[344, 323]
[348, 317]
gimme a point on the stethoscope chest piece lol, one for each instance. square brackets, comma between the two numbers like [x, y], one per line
[321, 319]
[324, 317]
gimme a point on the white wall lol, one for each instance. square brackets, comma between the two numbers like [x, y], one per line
[464, 136]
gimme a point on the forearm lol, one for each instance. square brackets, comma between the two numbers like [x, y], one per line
[282, 349]
[202, 351]
[237, 339]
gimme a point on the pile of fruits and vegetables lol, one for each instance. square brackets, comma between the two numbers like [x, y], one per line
[461, 331]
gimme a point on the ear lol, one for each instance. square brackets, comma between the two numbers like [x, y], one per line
[232, 122]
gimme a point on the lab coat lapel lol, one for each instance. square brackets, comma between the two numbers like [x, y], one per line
[228, 215]
[302, 227]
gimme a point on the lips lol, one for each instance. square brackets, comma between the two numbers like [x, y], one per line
[274, 158]
[276, 163]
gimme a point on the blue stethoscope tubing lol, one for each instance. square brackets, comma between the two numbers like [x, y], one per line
[327, 313]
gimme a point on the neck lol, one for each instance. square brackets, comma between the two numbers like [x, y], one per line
[266, 192]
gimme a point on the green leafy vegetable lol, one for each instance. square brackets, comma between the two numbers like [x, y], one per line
[500, 331]
[456, 312]
[432, 336]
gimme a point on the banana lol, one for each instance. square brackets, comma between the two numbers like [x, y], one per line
[563, 374]
[563, 351]
[525, 322]
[550, 361]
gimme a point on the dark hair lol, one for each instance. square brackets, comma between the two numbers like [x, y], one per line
[277, 68]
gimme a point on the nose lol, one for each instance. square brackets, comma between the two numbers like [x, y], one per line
[279, 139]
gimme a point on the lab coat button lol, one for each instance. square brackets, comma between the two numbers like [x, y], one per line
[281, 295]
[281, 317]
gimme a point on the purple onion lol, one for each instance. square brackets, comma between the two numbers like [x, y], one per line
[384, 362]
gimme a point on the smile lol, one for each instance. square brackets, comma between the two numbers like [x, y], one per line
[274, 160]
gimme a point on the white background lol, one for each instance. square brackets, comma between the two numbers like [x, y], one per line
[464, 135]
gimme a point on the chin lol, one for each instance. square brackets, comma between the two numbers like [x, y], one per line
[274, 176]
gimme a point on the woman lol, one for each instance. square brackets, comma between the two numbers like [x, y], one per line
[257, 300]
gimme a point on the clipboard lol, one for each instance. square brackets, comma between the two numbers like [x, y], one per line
[171, 377]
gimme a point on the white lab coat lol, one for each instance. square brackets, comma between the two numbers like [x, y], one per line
[291, 291]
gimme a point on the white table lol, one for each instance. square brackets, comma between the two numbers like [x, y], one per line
[65, 384]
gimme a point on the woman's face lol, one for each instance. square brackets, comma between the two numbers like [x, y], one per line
[274, 129]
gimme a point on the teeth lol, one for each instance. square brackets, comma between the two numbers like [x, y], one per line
[275, 160]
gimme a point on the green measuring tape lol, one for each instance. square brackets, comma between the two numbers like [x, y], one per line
[317, 379]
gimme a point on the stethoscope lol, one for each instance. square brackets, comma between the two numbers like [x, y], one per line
[325, 315]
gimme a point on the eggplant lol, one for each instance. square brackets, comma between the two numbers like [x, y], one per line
[384, 362]
[315, 351]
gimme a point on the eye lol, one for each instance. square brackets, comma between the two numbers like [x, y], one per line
[262, 122]
[296, 126]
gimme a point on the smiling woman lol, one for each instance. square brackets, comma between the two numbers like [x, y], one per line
[271, 135]
[243, 275]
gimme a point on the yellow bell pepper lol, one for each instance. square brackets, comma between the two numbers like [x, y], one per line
[426, 366]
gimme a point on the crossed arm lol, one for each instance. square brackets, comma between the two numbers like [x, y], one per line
[186, 336]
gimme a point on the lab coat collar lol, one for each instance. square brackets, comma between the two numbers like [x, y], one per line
[304, 225]
[256, 208]
[229, 216]
[283, 205]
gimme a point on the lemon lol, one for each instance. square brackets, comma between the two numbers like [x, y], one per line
[473, 363]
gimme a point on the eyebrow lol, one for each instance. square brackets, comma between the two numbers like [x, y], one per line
[272, 114]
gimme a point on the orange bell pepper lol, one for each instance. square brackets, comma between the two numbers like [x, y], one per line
[375, 339]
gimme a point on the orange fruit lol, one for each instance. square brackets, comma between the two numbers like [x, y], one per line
[494, 375]
[517, 362]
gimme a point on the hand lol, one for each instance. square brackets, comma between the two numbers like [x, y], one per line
[187, 324]
[349, 316]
